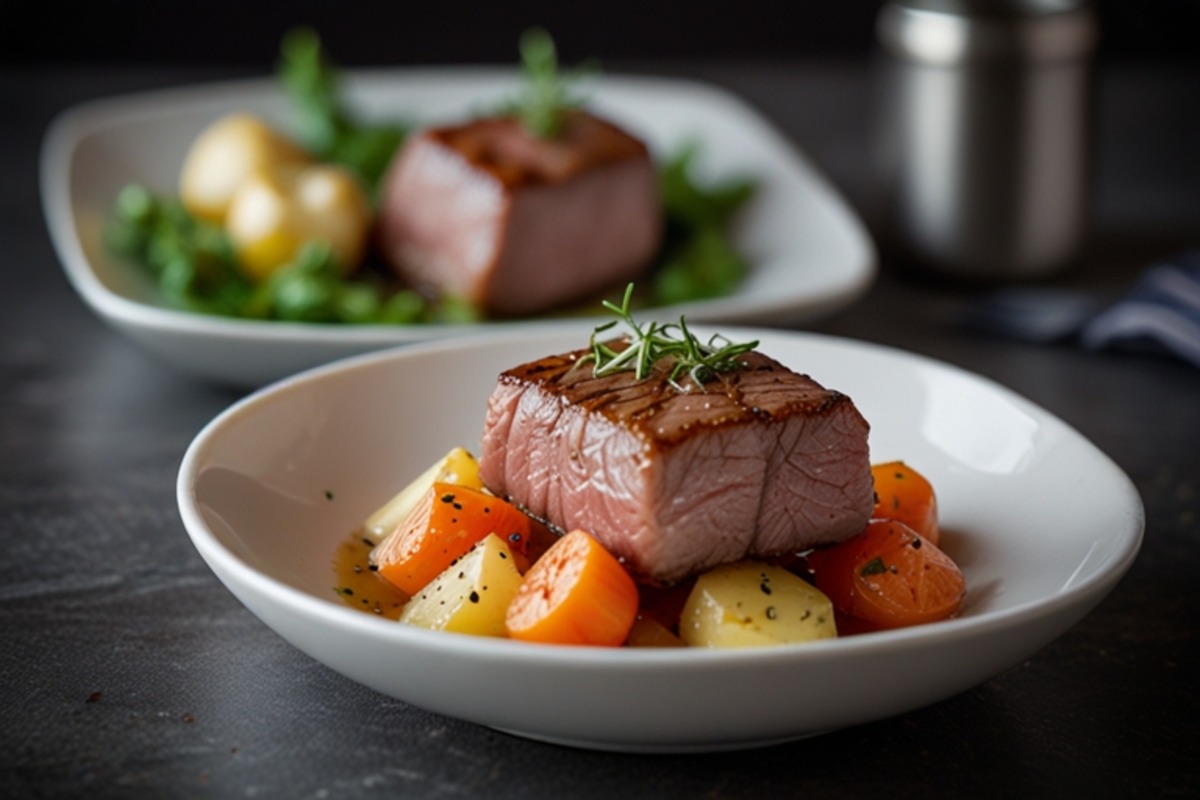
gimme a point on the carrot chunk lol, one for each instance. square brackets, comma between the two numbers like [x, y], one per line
[443, 526]
[576, 593]
[890, 577]
[905, 495]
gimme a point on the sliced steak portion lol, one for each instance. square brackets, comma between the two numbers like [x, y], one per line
[762, 461]
[518, 224]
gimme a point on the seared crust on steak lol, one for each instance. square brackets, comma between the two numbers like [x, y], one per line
[518, 224]
[759, 461]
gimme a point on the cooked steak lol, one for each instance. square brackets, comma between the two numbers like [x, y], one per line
[518, 224]
[759, 461]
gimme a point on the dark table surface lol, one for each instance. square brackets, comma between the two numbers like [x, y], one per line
[127, 670]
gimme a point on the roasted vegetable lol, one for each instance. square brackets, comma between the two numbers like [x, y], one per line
[905, 495]
[649, 632]
[472, 595]
[890, 577]
[754, 604]
[576, 593]
[457, 467]
[442, 527]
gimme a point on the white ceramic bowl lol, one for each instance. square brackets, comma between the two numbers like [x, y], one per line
[810, 253]
[1042, 524]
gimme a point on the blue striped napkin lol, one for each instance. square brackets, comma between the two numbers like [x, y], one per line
[1160, 313]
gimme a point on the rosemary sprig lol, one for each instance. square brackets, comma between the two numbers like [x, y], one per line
[653, 342]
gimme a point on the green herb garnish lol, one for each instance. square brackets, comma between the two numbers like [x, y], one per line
[697, 260]
[651, 343]
[874, 567]
[546, 97]
[322, 121]
[194, 266]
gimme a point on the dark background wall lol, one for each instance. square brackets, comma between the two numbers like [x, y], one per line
[245, 33]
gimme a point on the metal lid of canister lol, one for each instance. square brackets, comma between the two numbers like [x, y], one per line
[946, 32]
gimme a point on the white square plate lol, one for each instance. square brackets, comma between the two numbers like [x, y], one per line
[810, 254]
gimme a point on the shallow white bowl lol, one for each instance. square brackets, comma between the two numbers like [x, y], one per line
[810, 253]
[1041, 522]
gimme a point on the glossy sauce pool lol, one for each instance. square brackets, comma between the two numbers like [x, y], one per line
[358, 585]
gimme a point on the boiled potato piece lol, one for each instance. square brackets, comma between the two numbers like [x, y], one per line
[458, 467]
[649, 632]
[274, 213]
[753, 604]
[223, 155]
[471, 596]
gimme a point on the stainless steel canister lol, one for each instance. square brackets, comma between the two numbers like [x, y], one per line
[985, 134]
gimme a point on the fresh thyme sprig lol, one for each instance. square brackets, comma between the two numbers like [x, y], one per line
[654, 342]
[547, 93]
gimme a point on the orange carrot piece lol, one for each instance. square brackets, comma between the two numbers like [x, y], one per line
[890, 577]
[576, 593]
[442, 528]
[905, 495]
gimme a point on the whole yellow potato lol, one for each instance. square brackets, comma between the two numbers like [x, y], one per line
[224, 154]
[274, 213]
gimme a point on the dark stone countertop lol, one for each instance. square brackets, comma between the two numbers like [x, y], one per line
[127, 670]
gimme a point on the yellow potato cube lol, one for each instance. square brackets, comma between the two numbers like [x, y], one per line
[753, 604]
[458, 467]
[647, 632]
[472, 596]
